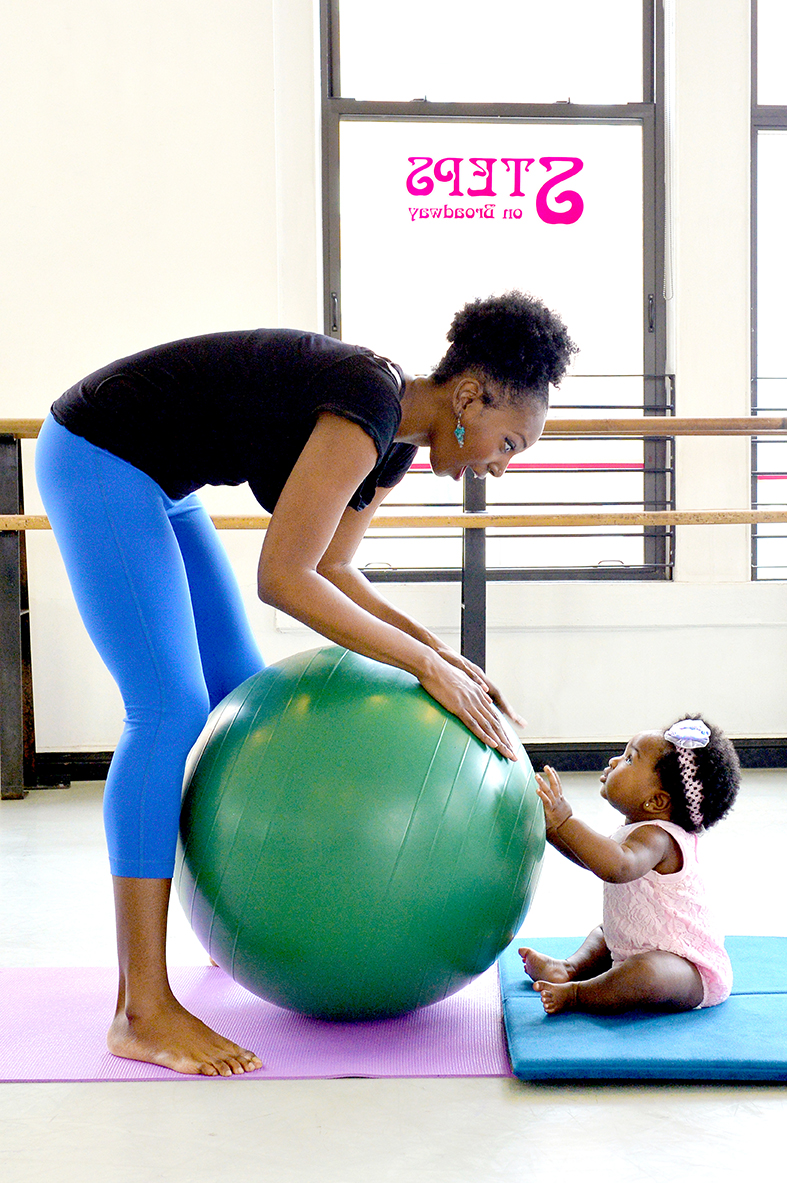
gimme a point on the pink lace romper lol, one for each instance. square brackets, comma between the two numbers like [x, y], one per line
[668, 912]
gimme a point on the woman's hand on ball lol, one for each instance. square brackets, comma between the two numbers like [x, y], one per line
[468, 698]
[478, 675]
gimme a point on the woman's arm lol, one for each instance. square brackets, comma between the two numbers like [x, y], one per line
[338, 567]
[612, 861]
[306, 519]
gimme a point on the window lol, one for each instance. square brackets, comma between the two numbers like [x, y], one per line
[517, 150]
[514, 51]
[769, 387]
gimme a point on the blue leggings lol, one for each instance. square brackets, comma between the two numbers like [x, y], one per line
[158, 597]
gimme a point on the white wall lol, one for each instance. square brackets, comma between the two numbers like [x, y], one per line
[162, 180]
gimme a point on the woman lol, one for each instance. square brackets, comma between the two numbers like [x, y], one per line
[321, 430]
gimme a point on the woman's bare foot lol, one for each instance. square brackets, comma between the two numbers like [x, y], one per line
[557, 996]
[176, 1039]
[541, 968]
[150, 1024]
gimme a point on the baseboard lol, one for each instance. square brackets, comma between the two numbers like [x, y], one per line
[55, 769]
[592, 757]
[59, 769]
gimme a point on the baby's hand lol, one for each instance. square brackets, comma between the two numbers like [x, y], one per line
[556, 809]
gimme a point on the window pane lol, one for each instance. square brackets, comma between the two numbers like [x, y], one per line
[771, 49]
[548, 548]
[771, 386]
[436, 214]
[771, 254]
[420, 491]
[771, 553]
[504, 51]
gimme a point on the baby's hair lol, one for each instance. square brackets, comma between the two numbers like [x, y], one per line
[514, 340]
[718, 770]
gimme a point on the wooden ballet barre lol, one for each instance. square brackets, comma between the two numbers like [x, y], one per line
[22, 429]
[24, 521]
[486, 521]
[647, 425]
[665, 426]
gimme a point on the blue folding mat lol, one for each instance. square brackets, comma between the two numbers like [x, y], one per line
[745, 1038]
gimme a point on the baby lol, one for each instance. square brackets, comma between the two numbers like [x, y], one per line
[658, 947]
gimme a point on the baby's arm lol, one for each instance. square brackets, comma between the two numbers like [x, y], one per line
[556, 811]
[615, 862]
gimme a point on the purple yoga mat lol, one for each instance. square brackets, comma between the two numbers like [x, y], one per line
[53, 1027]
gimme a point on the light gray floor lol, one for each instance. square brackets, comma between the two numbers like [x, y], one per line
[56, 911]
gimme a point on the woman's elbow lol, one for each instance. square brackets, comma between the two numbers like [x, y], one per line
[288, 586]
[266, 594]
[331, 570]
[273, 585]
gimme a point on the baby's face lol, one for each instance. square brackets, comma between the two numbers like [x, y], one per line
[630, 780]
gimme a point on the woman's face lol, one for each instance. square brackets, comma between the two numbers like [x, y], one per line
[493, 436]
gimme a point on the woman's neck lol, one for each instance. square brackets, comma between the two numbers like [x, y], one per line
[420, 405]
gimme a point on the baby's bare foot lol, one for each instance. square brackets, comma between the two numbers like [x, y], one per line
[556, 997]
[539, 967]
[176, 1039]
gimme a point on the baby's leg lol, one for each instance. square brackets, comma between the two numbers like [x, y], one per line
[647, 981]
[591, 958]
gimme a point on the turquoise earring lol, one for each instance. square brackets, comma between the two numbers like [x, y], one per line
[459, 432]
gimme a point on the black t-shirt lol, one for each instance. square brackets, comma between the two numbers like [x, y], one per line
[226, 408]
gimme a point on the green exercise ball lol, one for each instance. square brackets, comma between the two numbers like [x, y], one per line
[348, 849]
